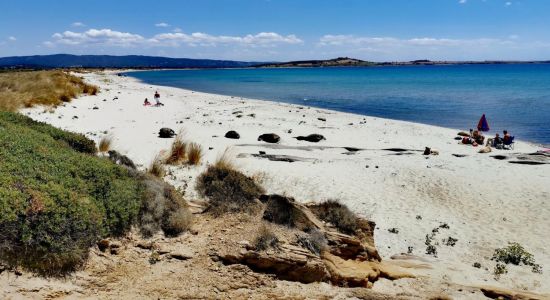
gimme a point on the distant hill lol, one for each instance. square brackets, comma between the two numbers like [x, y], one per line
[109, 61]
[335, 62]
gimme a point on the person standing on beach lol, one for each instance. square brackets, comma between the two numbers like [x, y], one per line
[157, 99]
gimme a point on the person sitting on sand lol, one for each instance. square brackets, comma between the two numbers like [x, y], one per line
[478, 137]
[146, 102]
[507, 137]
[157, 99]
[495, 142]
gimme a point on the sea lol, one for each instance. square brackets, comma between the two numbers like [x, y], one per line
[514, 97]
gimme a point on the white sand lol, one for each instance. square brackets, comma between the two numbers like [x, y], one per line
[486, 202]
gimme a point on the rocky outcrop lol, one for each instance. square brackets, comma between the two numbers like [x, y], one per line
[345, 260]
[287, 263]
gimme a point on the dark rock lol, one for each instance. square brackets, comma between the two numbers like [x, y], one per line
[459, 155]
[95, 107]
[232, 134]
[262, 152]
[322, 119]
[314, 138]
[166, 133]
[427, 151]
[269, 138]
[103, 245]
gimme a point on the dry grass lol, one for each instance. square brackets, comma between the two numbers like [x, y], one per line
[194, 153]
[25, 89]
[105, 143]
[178, 152]
[156, 168]
[265, 239]
[226, 161]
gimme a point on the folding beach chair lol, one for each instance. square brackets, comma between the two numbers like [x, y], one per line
[509, 145]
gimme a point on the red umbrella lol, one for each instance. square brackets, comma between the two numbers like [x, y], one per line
[483, 125]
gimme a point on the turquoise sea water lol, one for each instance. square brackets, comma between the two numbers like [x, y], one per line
[513, 97]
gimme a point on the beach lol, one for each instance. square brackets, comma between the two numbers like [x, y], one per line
[373, 165]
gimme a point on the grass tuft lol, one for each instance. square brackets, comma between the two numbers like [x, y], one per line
[194, 153]
[105, 143]
[178, 152]
[156, 168]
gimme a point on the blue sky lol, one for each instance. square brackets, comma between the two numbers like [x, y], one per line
[266, 30]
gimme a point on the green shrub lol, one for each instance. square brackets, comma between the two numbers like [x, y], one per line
[228, 190]
[56, 202]
[515, 254]
[75, 140]
[337, 214]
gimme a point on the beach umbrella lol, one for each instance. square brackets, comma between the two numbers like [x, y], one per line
[483, 125]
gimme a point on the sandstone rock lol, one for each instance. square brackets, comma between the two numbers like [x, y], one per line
[145, 245]
[314, 138]
[232, 134]
[269, 138]
[289, 263]
[182, 254]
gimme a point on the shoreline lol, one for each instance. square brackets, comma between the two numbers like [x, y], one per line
[471, 194]
[532, 143]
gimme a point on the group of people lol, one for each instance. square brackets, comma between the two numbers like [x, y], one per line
[157, 100]
[476, 138]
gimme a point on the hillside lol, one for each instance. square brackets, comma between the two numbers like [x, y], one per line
[335, 62]
[109, 61]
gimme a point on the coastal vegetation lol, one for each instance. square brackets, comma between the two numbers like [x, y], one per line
[57, 200]
[20, 89]
[228, 189]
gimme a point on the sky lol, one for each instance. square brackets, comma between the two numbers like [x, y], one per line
[280, 30]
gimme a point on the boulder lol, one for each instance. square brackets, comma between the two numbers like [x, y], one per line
[314, 138]
[269, 138]
[232, 134]
[166, 133]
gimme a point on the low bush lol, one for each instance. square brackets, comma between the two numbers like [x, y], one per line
[163, 208]
[194, 153]
[55, 202]
[337, 214]
[515, 254]
[265, 239]
[228, 190]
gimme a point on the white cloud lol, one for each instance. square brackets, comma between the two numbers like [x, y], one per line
[204, 39]
[177, 29]
[12, 39]
[435, 48]
[508, 3]
[462, 1]
[169, 39]
[95, 36]
[162, 24]
[78, 24]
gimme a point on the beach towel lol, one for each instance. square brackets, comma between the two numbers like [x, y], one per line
[482, 125]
